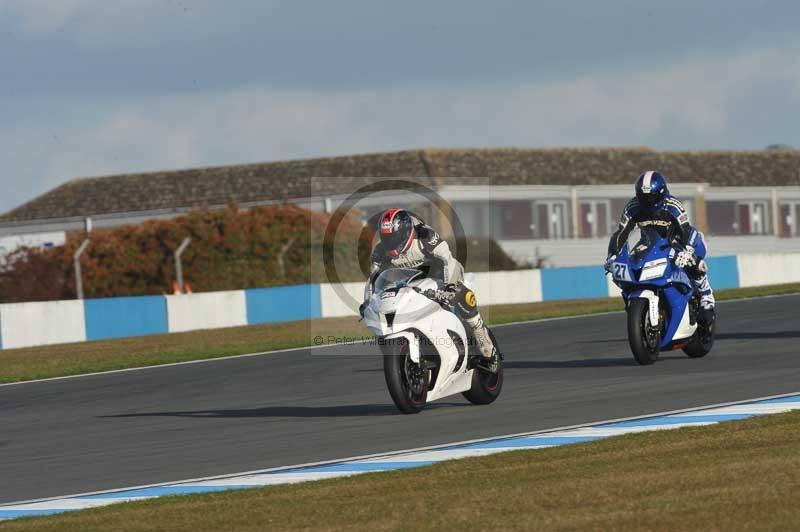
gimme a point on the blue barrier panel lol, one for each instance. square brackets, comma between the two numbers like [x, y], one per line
[283, 303]
[723, 272]
[573, 283]
[119, 317]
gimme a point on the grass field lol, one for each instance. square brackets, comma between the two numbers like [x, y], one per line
[87, 357]
[739, 475]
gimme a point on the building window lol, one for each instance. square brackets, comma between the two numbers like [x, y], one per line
[473, 217]
[753, 218]
[789, 219]
[511, 220]
[551, 219]
[593, 219]
[721, 217]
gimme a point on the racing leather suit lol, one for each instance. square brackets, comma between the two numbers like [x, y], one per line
[428, 248]
[670, 218]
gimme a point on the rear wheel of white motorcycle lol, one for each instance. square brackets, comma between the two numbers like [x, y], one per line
[407, 381]
[644, 338]
[486, 386]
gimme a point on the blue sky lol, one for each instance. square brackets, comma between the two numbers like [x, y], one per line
[92, 87]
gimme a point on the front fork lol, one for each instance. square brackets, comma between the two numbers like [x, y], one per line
[412, 340]
[653, 304]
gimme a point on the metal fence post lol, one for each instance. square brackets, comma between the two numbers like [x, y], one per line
[178, 265]
[78, 274]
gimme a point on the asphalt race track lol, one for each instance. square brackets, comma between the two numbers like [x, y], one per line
[172, 423]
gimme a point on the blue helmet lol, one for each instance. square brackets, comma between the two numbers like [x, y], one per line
[651, 189]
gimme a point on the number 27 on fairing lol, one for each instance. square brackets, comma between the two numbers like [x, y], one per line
[621, 272]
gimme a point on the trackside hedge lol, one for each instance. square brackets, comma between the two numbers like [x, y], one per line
[231, 249]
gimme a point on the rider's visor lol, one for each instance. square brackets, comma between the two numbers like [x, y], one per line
[647, 200]
[392, 242]
[396, 241]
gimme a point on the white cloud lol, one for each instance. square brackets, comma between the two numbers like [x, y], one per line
[695, 99]
[125, 140]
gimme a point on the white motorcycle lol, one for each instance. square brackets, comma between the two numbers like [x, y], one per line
[427, 352]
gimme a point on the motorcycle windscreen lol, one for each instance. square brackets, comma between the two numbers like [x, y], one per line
[395, 278]
[640, 241]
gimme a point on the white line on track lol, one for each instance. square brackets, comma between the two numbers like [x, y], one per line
[291, 349]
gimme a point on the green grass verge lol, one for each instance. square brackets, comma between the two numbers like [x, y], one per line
[87, 357]
[738, 475]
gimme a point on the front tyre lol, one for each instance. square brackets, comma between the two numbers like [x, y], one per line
[644, 339]
[486, 386]
[407, 381]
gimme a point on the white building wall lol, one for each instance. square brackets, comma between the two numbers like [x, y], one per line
[592, 251]
[9, 244]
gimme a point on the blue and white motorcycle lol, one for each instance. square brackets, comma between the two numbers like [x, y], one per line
[661, 301]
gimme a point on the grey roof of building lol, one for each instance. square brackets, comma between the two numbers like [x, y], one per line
[286, 180]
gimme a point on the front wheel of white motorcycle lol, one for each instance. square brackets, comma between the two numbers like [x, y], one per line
[407, 381]
[486, 386]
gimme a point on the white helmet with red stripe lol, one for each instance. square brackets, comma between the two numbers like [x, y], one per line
[397, 231]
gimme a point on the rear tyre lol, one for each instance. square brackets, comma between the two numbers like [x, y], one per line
[703, 340]
[406, 380]
[644, 339]
[486, 386]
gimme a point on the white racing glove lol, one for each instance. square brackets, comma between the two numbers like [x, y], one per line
[686, 258]
[609, 265]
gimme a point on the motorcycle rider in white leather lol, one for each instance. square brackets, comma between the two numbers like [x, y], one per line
[407, 242]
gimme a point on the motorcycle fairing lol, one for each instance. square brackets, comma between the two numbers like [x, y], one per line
[678, 327]
[674, 285]
[415, 315]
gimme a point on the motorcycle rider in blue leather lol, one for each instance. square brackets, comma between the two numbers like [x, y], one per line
[655, 206]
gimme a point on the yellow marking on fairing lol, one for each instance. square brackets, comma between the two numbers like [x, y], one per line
[470, 298]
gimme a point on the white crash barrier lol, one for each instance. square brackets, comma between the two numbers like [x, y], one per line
[209, 310]
[760, 269]
[342, 300]
[31, 324]
[492, 288]
[497, 288]
[44, 323]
